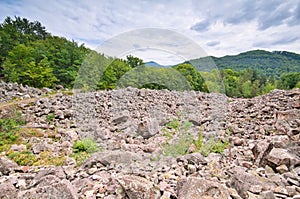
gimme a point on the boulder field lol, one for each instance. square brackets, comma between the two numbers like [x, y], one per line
[139, 131]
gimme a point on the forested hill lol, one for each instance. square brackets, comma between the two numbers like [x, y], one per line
[268, 63]
[30, 55]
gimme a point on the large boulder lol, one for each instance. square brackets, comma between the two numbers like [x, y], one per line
[62, 189]
[194, 188]
[243, 182]
[280, 156]
[138, 187]
[7, 166]
[111, 157]
[7, 190]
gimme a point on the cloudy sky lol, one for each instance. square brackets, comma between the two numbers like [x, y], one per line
[220, 27]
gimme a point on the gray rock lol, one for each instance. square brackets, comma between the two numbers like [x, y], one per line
[8, 190]
[138, 187]
[7, 166]
[194, 188]
[62, 189]
[109, 157]
[244, 182]
[148, 128]
[279, 157]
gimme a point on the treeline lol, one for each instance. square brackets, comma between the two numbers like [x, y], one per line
[249, 82]
[32, 56]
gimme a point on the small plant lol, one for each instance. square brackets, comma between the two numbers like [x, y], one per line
[50, 118]
[180, 147]
[66, 92]
[80, 157]
[85, 145]
[211, 146]
[9, 129]
[83, 149]
[23, 158]
[173, 124]
[46, 158]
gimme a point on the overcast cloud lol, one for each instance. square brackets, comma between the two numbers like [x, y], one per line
[219, 27]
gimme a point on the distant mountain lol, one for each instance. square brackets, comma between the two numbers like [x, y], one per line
[152, 64]
[269, 63]
[155, 64]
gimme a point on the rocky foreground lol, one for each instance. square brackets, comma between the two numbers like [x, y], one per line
[130, 125]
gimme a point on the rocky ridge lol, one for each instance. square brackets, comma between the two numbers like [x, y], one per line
[262, 161]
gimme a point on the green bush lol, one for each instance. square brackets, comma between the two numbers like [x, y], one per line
[180, 147]
[82, 149]
[9, 129]
[23, 158]
[50, 118]
[210, 146]
[85, 145]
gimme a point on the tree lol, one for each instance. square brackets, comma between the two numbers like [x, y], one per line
[113, 73]
[22, 66]
[192, 76]
[288, 80]
[134, 62]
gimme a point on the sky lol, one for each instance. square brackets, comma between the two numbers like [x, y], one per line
[219, 27]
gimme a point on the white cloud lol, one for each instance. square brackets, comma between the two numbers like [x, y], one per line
[219, 27]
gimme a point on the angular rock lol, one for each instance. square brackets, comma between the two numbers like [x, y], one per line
[260, 152]
[194, 188]
[138, 187]
[148, 128]
[7, 166]
[7, 190]
[63, 189]
[244, 182]
[280, 156]
[109, 157]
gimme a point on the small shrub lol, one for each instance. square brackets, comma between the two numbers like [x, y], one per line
[46, 158]
[23, 158]
[9, 129]
[80, 157]
[85, 145]
[180, 147]
[211, 146]
[173, 124]
[50, 118]
[83, 149]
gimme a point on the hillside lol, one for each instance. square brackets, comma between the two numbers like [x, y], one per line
[148, 144]
[268, 63]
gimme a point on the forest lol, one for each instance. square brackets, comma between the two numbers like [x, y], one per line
[32, 56]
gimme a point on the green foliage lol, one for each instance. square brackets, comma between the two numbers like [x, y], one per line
[134, 62]
[80, 157]
[173, 124]
[211, 146]
[9, 129]
[289, 81]
[23, 158]
[29, 55]
[112, 74]
[32, 56]
[179, 145]
[193, 76]
[266, 63]
[85, 145]
[83, 149]
[50, 117]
